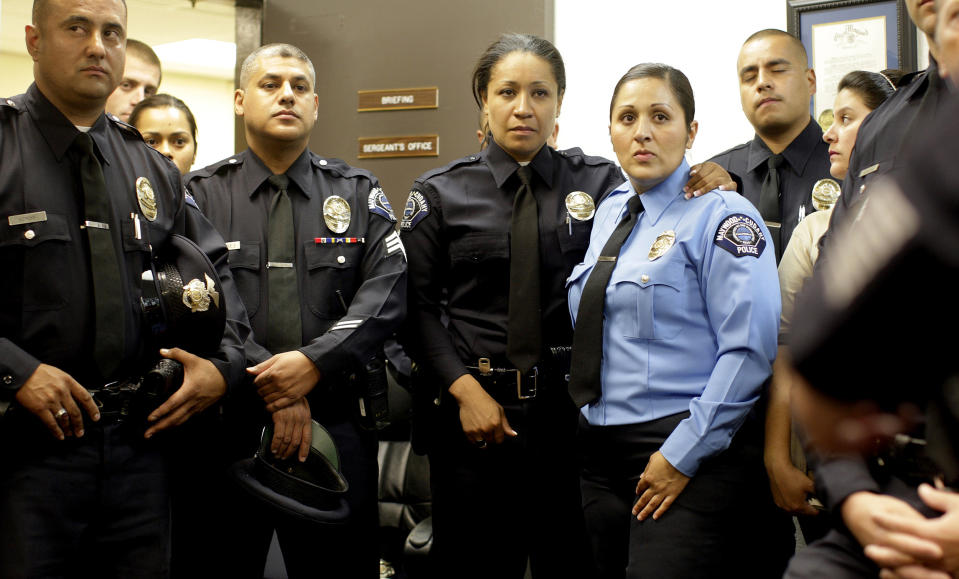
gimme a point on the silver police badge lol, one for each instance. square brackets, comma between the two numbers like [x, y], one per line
[197, 295]
[825, 193]
[336, 213]
[146, 198]
[580, 206]
[662, 244]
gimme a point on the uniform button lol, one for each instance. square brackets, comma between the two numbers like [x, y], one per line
[232, 161]
[472, 158]
[11, 103]
[341, 259]
[862, 188]
[8, 379]
[322, 161]
[29, 234]
[645, 278]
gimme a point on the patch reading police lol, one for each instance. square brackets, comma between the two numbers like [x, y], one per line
[146, 198]
[380, 205]
[415, 211]
[336, 213]
[740, 235]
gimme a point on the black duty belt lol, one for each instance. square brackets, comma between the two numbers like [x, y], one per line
[506, 381]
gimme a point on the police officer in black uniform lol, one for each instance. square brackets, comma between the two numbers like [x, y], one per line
[891, 128]
[504, 474]
[85, 207]
[775, 85]
[322, 272]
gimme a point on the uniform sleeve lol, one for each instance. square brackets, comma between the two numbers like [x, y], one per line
[16, 366]
[425, 337]
[795, 268]
[378, 307]
[230, 359]
[742, 302]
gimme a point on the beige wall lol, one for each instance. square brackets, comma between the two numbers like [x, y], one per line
[210, 99]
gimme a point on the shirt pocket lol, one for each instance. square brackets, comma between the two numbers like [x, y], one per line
[655, 298]
[573, 239]
[331, 268]
[245, 266]
[43, 247]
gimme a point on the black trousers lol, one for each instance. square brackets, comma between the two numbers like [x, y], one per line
[723, 524]
[495, 509]
[221, 531]
[97, 506]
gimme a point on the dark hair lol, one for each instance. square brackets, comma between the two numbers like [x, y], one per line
[142, 51]
[677, 81]
[507, 44]
[162, 101]
[872, 87]
[795, 42]
[275, 49]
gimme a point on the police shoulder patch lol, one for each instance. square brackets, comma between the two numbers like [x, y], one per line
[740, 235]
[417, 208]
[380, 205]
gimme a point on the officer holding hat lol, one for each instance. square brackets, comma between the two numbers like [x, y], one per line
[322, 273]
[87, 210]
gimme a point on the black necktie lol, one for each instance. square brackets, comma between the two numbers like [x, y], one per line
[523, 340]
[107, 288]
[284, 326]
[770, 205]
[585, 386]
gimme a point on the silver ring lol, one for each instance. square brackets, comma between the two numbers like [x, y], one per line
[60, 413]
[480, 444]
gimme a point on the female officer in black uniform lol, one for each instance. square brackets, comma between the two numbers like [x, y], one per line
[504, 479]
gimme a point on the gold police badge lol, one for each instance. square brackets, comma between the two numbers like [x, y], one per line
[336, 213]
[662, 244]
[825, 193]
[146, 198]
[197, 295]
[580, 206]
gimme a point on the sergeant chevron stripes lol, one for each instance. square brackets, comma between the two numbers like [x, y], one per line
[393, 244]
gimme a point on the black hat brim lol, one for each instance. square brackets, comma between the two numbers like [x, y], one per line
[243, 474]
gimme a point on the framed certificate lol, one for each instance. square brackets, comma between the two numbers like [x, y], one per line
[845, 35]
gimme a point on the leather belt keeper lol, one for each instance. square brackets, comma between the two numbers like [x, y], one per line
[510, 380]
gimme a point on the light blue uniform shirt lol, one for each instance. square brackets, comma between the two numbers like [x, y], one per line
[692, 330]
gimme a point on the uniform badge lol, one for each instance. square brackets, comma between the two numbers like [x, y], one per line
[380, 205]
[662, 244]
[580, 206]
[146, 198]
[415, 211]
[336, 213]
[825, 193]
[197, 295]
[740, 235]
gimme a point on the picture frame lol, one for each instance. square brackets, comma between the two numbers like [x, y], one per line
[845, 35]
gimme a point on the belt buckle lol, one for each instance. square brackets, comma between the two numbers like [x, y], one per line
[519, 384]
[484, 366]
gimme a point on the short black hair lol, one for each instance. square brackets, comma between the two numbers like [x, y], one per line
[872, 87]
[162, 101]
[275, 49]
[507, 44]
[795, 42]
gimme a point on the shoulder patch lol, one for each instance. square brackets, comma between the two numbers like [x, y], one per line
[417, 208]
[380, 205]
[740, 235]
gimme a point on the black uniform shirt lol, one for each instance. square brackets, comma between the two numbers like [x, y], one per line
[886, 130]
[46, 292]
[456, 227]
[806, 161]
[363, 268]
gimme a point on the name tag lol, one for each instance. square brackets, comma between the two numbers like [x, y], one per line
[25, 218]
[868, 170]
[233, 245]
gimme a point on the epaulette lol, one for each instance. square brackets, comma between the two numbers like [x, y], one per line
[12, 105]
[577, 153]
[339, 167]
[732, 150]
[467, 160]
[128, 130]
[211, 170]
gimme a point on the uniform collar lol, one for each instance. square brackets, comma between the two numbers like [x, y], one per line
[57, 130]
[299, 172]
[797, 154]
[502, 166]
[660, 197]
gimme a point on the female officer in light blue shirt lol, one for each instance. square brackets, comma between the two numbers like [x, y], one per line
[674, 339]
